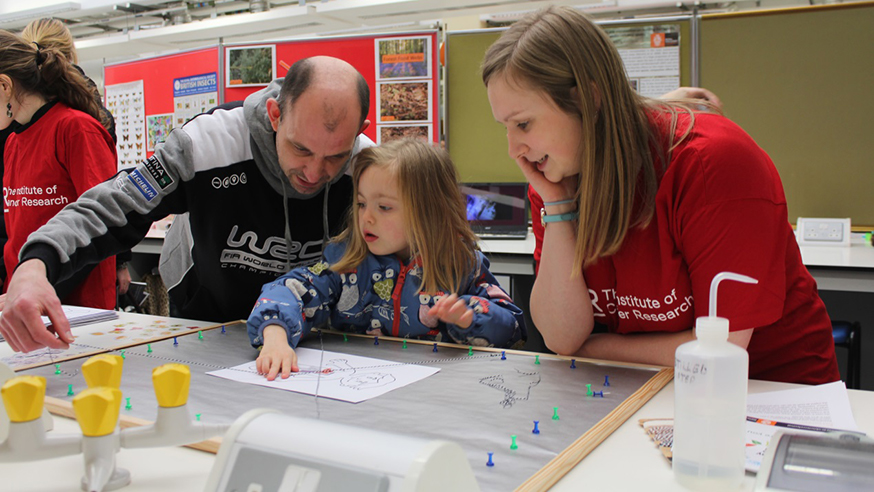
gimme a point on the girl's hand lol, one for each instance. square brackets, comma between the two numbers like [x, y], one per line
[276, 355]
[452, 310]
[549, 191]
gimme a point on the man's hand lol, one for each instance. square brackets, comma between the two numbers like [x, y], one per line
[30, 296]
[451, 309]
[122, 279]
[276, 355]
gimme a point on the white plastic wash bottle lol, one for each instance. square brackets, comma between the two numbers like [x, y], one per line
[710, 399]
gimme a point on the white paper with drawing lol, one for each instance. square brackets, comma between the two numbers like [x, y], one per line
[340, 376]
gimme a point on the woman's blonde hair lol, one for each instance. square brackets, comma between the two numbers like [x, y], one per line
[51, 33]
[435, 214]
[45, 71]
[556, 50]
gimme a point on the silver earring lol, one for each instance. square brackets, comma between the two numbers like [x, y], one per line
[9, 110]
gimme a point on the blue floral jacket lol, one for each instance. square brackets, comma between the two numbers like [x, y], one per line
[380, 298]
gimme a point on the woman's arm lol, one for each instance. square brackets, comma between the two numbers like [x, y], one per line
[560, 304]
[647, 348]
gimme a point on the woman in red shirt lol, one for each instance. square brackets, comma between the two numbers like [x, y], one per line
[59, 150]
[649, 199]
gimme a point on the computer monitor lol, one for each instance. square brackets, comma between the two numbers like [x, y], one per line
[497, 210]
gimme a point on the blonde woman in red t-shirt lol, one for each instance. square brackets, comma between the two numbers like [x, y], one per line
[649, 199]
[59, 150]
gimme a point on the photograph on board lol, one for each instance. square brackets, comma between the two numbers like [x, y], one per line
[250, 65]
[402, 57]
[404, 101]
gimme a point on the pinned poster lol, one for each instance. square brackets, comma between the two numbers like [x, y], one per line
[193, 95]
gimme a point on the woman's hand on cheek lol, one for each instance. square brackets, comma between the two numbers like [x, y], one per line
[549, 191]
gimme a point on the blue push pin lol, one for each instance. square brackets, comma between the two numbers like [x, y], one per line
[606, 380]
[435, 348]
[223, 329]
[536, 430]
[503, 355]
[490, 462]
[376, 340]
[599, 394]
[573, 363]
[175, 342]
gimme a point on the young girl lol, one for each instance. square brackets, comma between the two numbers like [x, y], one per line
[58, 150]
[406, 251]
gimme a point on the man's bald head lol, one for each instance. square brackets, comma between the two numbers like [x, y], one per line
[339, 83]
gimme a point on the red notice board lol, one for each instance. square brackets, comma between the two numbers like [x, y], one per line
[402, 79]
[158, 75]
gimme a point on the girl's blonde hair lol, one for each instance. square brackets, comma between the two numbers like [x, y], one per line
[556, 50]
[51, 33]
[435, 214]
[47, 72]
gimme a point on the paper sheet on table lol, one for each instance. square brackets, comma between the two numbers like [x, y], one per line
[338, 376]
[823, 406]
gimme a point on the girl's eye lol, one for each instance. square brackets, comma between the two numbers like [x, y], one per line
[384, 208]
[360, 204]
[522, 126]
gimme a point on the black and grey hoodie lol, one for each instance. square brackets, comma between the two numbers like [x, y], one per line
[245, 224]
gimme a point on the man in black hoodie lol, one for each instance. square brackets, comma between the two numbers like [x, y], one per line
[263, 185]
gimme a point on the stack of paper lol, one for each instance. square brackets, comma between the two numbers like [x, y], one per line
[822, 408]
[79, 316]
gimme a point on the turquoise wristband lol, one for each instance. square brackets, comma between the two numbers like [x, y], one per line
[561, 217]
[560, 202]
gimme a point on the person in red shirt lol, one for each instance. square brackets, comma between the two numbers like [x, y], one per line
[59, 150]
[649, 199]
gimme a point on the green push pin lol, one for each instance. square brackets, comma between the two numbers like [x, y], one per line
[200, 335]
[404, 345]
[69, 390]
[57, 368]
[197, 416]
[128, 406]
[589, 390]
[470, 350]
[537, 359]
[554, 413]
[345, 338]
[122, 355]
[513, 445]
[149, 346]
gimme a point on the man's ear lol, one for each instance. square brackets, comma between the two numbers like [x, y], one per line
[364, 126]
[273, 113]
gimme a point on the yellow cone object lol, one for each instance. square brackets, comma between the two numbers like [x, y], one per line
[97, 410]
[171, 383]
[103, 370]
[23, 397]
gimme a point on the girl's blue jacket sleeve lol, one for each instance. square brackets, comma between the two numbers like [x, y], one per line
[297, 301]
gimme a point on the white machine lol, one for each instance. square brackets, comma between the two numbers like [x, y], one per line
[266, 450]
[836, 462]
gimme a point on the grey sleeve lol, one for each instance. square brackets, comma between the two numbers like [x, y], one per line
[115, 215]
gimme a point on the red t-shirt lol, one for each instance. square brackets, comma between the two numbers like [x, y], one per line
[719, 207]
[49, 164]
